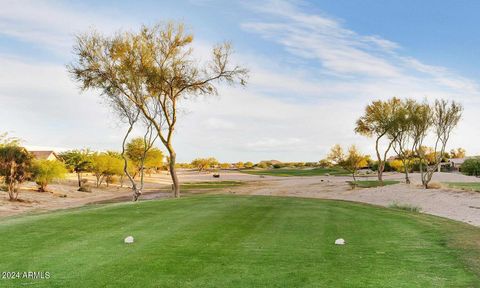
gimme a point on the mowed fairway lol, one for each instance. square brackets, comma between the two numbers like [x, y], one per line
[240, 241]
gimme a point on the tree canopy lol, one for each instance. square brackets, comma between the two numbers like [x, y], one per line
[153, 69]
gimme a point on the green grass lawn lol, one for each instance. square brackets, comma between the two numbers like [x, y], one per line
[285, 172]
[210, 185]
[469, 186]
[240, 241]
[373, 183]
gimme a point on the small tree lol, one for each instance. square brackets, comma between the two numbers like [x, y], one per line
[45, 171]
[143, 155]
[380, 120]
[104, 166]
[202, 164]
[225, 166]
[446, 116]
[15, 166]
[335, 156]
[155, 70]
[404, 143]
[77, 161]
[352, 161]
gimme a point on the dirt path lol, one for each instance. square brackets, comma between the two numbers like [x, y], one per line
[454, 204]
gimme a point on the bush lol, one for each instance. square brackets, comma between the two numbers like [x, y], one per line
[263, 165]
[325, 163]
[388, 167]
[45, 171]
[248, 165]
[406, 207]
[471, 167]
[416, 165]
[85, 189]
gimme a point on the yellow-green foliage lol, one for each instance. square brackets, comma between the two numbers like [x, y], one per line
[397, 165]
[45, 171]
[105, 165]
[204, 163]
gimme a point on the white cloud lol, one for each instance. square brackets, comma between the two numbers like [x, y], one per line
[53, 25]
[344, 52]
[287, 112]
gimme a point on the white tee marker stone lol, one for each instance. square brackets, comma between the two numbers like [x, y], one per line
[340, 241]
[129, 240]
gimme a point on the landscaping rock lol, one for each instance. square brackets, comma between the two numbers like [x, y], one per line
[129, 240]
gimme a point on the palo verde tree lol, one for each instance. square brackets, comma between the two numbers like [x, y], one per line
[352, 161]
[412, 125]
[445, 117]
[380, 120]
[154, 69]
[143, 155]
[203, 164]
[15, 166]
[104, 166]
[77, 161]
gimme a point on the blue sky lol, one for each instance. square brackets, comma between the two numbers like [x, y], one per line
[314, 66]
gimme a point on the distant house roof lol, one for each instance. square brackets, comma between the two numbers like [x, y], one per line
[458, 161]
[45, 155]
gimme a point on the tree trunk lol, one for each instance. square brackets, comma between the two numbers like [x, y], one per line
[405, 167]
[381, 165]
[11, 192]
[136, 192]
[79, 179]
[173, 173]
[98, 180]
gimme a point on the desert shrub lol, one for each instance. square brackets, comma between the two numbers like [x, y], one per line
[277, 166]
[325, 163]
[85, 188]
[397, 165]
[263, 165]
[112, 179]
[406, 207]
[248, 164]
[299, 164]
[434, 185]
[416, 165]
[45, 171]
[471, 167]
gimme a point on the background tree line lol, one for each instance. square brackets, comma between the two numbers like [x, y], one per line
[17, 165]
[404, 126]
